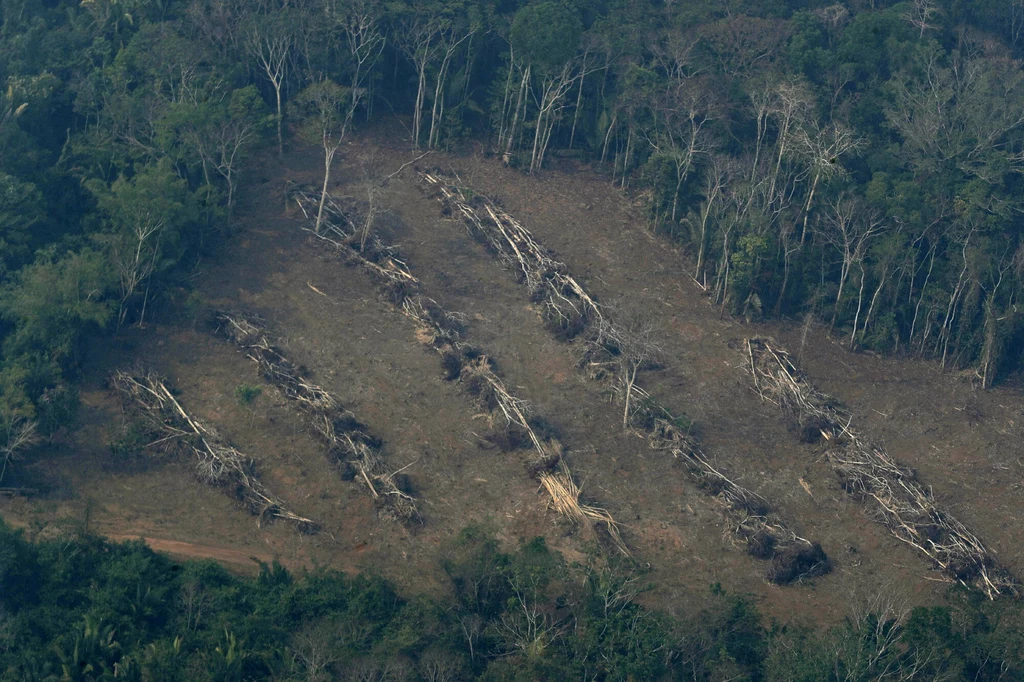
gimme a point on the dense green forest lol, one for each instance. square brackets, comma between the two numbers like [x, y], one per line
[857, 163]
[78, 608]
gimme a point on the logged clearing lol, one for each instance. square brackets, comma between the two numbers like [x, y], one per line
[429, 436]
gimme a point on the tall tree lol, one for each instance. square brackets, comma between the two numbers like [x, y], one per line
[324, 111]
[270, 40]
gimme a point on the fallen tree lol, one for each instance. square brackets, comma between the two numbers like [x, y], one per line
[349, 443]
[866, 471]
[612, 353]
[477, 372]
[146, 395]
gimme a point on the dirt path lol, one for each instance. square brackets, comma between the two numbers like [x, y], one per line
[234, 558]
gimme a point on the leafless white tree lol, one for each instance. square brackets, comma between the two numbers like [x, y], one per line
[438, 666]
[315, 650]
[17, 434]
[848, 226]
[270, 40]
[134, 254]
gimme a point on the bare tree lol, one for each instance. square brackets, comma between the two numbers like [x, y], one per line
[514, 103]
[472, 625]
[417, 39]
[848, 226]
[526, 627]
[715, 179]
[741, 44]
[791, 110]
[872, 649]
[554, 85]
[376, 192]
[439, 666]
[632, 341]
[315, 650]
[17, 434]
[966, 229]
[451, 37]
[361, 28]
[193, 600]
[320, 106]
[270, 39]
[1016, 21]
[961, 115]
[135, 254]
[679, 134]
[920, 13]
[822, 148]
[221, 145]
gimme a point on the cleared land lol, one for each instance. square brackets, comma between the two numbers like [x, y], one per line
[330, 319]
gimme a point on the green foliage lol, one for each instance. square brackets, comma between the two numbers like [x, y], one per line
[86, 609]
[55, 301]
[21, 210]
[321, 112]
[546, 34]
[247, 394]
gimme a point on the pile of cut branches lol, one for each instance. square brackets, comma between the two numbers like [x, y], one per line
[613, 353]
[567, 307]
[477, 372]
[147, 396]
[866, 471]
[348, 441]
[778, 381]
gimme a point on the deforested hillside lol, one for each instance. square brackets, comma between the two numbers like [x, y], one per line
[599, 340]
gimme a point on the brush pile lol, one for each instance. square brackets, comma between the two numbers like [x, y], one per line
[147, 396]
[348, 442]
[612, 353]
[567, 307]
[477, 372]
[866, 471]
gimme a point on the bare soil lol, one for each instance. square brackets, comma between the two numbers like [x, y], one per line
[328, 317]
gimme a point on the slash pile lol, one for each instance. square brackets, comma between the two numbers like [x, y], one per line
[146, 395]
[612, 353]
[348, 442]
[866, 471]
[477, 372]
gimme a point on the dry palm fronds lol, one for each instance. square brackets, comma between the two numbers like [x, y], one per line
[866, 471]
[347, 439]
[612, 353]
[216, 463]
[441, 330]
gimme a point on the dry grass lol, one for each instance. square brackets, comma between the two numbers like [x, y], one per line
[441, 330]
[866, 471]
[216, 463]
[347, 439]
[612, 352]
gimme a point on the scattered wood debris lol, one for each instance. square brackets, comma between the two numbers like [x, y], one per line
[476, 371]
[866, 471]
[612, 353]
[146, 395]
[348, 441]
